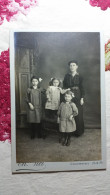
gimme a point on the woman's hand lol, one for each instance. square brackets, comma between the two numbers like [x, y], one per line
[31, 106]
[82, 101]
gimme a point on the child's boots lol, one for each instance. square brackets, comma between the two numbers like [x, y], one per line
[68, 141]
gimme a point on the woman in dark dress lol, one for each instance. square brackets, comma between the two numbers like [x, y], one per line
[74, 81]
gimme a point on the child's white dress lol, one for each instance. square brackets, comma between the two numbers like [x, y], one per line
[53, 98]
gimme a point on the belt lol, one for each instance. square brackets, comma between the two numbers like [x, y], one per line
[75, 88]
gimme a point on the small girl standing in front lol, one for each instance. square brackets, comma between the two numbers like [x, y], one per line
[34, 107]
[53, 97]
[66, 113]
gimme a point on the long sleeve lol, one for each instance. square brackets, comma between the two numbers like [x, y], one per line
[65, 82]
[62, 91]
[75, 109]
[59, 110]
[48, 93]
[28, 95]
[81, 88]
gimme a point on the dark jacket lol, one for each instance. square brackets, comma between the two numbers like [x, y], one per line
[75, 84]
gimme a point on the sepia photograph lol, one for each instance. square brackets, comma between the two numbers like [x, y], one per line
[57, 101]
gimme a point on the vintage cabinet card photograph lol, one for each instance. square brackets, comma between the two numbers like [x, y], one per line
[57, 101]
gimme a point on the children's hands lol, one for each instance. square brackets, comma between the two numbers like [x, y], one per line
[68, 89]
[71, 117]
[48, 99]
[60, 89]
[31, 106]
[58, 120]
[82, 101]
[64, 90]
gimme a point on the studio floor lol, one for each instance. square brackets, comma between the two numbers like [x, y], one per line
[84, 148]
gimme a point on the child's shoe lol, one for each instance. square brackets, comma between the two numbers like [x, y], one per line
[64, 142]
[68, 142]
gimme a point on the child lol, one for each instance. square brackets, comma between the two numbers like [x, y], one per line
[34, 107]
[66, 113]
[53, 97]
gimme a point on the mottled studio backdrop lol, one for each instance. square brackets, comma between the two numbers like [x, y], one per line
[46, 55]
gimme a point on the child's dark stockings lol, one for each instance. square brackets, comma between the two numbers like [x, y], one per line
[36, 127]
[66, 139]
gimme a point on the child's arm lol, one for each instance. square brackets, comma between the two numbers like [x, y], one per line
[48, 92]
[31, 106]
[62, 91]
[75, 111]
[58, 113]
[59, 109]
[28, 99]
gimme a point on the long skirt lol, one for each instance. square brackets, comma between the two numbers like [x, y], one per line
[79, 120]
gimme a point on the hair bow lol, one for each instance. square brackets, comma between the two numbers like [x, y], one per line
[73, 95]
[40, 79]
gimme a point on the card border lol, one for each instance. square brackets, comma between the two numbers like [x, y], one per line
[57, 166]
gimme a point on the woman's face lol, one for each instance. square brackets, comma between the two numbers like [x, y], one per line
[73, 67]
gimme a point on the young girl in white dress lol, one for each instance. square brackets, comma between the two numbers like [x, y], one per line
[53, 97]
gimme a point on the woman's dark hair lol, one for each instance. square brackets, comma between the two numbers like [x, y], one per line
[72, 61]
[51, 82]
[34, 77]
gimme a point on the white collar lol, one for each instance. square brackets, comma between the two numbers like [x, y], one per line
[34, 87]
[75, 73]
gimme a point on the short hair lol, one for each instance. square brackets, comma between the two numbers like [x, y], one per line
[34, 77]
[69, 93]
[72, 61]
